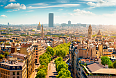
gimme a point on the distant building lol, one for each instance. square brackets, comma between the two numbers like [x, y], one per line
[99, 34]
[39, 26]
[69, 22]
[90, 32]
[42, 32]
[51, 19]
[8, 23]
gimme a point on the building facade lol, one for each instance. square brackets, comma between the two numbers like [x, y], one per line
[90, 32]
[51, 20]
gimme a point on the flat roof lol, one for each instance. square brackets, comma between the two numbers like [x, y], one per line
[105, 71]
[99, 69]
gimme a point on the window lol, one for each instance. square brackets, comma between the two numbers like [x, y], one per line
[8, 73]
[13, 67]
[36, 56]
[17, 76]
[18, 68]
[13, 73]
[17, 73]
[13, 77]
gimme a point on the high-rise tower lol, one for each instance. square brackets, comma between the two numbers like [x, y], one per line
[69, 22]
[90, 32]
[39, 26]
[8, 23]
[51, 19]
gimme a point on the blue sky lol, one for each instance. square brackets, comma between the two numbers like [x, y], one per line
[78, 11]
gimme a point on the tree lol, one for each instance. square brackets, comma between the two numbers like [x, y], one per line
[1, 56]
[6, 54]
[59, 59]
[62, 65]
[105, 60]
[85, 64]
[114, 64]
[41, 74]
[64, 73]
[50, 50]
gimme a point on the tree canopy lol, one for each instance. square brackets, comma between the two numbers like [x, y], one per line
[114, 64]
[62, 68]
[1, 56]
[50, 51]
[64, 73]
[105, 60]
[41, 74]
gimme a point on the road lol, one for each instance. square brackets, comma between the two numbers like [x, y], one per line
[51, 70]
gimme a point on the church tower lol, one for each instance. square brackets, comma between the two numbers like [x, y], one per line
[42, 33]
[39, 26]
[90, 32]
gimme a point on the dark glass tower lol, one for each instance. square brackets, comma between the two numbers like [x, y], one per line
[51, 19]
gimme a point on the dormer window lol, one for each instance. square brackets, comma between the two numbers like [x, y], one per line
[18, 68]
[13, 67]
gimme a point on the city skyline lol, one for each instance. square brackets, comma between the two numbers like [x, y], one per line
[78, 11]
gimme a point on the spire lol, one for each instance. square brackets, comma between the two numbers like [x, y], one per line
[99, 33]
[42, 32]
[39, 24]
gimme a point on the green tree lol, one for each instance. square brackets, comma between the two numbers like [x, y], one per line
[50, 50]
[62, 65]
[85, 64]
[105, 60]
[41, 74]
[114, 64]
[58, 59]
[6, 54]
[64, 73]
[1, 56]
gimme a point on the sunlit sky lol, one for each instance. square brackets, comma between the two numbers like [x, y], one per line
[77, 11]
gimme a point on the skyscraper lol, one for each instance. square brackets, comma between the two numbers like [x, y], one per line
[8, 23]
[90, 32]
[51, 19]
[69, 22]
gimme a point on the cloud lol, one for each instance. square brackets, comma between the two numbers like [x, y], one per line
[3, 16]
[15, 6]
[90, 0]
[63, 1]
[1, 5]
[12, 10]
[81, 12]
[29, 11]
[15, 10]
[8, 11]
[88, 17]
[101, 3]
[60, 9]
[39, 4]
[59, 5]
[12, 1]
[3, 1]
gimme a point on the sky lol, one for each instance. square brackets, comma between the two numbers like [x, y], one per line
[77, 11]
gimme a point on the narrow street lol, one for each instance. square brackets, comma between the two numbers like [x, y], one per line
[51, 70]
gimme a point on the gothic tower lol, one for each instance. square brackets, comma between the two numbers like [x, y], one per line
[39, 26]
[42, 33]
[90, 32]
